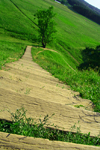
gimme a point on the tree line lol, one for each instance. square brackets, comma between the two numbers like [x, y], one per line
[91, 59]
[83, 8]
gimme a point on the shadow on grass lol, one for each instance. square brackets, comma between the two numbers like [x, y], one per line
[91, 59]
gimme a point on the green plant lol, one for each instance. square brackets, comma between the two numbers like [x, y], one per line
[86, 82]
[22, 125]
[91, 57]
[27, 91]
[45, 25]
[78, 106]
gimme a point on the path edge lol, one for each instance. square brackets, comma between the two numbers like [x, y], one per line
[14, 141]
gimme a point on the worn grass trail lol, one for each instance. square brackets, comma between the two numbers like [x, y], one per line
[24, 83]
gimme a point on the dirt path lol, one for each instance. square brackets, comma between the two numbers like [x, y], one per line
[17, 142]
[24, 83]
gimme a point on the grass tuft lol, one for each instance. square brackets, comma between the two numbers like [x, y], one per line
[22, 125]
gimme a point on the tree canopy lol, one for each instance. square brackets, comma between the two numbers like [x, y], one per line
[46, 25]
[91, 59]
[83, 8]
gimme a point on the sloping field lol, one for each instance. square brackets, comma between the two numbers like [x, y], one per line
[74, 32]
[24, 83]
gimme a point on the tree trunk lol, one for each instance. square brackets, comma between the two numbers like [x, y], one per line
[43, 44]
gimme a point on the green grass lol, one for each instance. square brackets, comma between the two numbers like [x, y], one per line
[22, 125]
[78, 106]
[74, 32]
[87, 83]
[10, 52]
[14, 23]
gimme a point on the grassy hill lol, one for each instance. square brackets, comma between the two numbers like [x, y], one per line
[74, 33]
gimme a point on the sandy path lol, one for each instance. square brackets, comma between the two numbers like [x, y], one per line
[24, 83]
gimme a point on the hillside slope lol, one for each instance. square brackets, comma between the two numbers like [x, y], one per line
[83, 8]
[74, 32]
[24, 83]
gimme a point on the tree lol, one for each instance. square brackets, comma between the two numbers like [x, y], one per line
[46, 25]
[91, 59]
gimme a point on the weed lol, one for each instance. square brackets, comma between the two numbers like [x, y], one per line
[27, 91]
[78, 106]
[22, 125]
[18, 91]
[43, 87]
[10, 77]
[27, 76]
[63, 87]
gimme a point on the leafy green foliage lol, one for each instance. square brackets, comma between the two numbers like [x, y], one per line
[91, 59]
[46, 25]
[85, 9]
[22, 125]
[65, 2]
